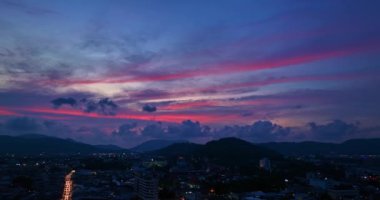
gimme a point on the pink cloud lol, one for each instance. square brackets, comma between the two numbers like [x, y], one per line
[165, 117]
[236, 67]
[7, 112]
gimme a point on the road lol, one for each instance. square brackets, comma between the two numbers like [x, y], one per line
[68, 187]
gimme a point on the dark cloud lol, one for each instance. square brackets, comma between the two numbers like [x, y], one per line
[22, 124]
[266, 130]
[64, 101]
[103, 106]
[50, 124]
[149, 108]
[126, 130]
[107, 106]
[334, 131]
[132, 133]
[191, 129]
[260, 131]
[186, 130]
[27, 125]
[89, 106]
[88, 134]
[155, 131]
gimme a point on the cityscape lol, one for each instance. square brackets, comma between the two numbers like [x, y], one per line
[228, 168]
[189, 100]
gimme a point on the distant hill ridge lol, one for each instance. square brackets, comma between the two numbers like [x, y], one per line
[350, 147]
[232, 148]
[153, 145]
[226, 151]
[231, 151]
[37, 144]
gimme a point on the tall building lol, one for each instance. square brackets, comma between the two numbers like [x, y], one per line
[265, 164]
[146, 186]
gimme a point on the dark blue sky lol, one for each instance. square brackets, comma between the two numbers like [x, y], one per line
[106, 71]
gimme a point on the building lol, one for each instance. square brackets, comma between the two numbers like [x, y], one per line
[265, 164]
[146, 186]
[341, 192]
[315, 180]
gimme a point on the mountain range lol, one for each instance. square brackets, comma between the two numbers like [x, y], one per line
[230, 148]
[153, 145]
[225, 151]
[349, 147]
[37, 144]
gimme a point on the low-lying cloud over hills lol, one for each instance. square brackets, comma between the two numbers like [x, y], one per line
[132, 133]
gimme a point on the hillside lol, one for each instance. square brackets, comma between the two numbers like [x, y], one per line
[226, 151]
[153, 145]
[350, 147]
[36, 144]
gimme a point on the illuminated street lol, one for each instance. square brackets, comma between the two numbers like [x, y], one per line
[68, 187]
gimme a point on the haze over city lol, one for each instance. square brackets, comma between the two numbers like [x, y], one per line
[124, 72]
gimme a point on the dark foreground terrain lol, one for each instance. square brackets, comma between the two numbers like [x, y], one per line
[228, 168]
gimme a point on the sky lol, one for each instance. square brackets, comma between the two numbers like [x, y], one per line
[123, 72]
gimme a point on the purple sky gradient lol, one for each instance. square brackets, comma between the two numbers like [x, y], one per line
[260, 70]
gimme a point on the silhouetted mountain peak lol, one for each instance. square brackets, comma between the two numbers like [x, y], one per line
[109, 147]
[33, 136]
[36, 144]
[362, 140]
[225, 151]
[229, 141]
[153, 145]
[184, 148]
[351, 147]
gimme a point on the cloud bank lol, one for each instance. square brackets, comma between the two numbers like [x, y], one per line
[103, 106]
